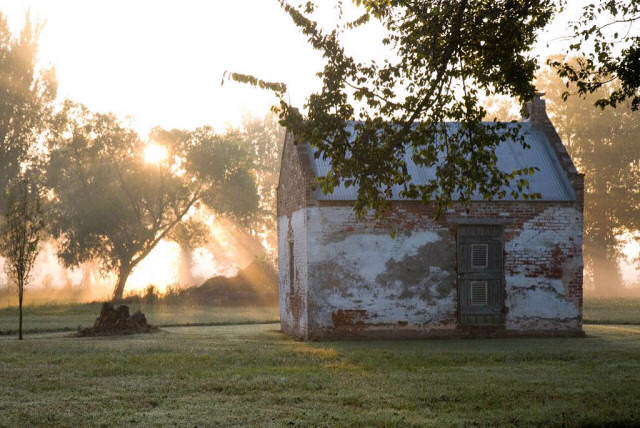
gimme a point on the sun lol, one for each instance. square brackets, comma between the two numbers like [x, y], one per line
[155, 153]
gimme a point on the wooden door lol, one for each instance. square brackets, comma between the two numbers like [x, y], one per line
[480, 275]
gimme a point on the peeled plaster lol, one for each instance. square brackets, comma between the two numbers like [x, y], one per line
[353, 276]
[536, 295]
[386, 280]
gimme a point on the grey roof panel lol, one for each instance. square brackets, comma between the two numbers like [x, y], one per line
[550, 181]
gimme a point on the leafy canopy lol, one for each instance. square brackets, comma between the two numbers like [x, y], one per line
[263, 139]
[21, 229]
[446, 56]
[26, 100]
[112, 206]
[605, 48]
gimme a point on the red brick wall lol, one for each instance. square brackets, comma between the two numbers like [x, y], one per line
[296, 178]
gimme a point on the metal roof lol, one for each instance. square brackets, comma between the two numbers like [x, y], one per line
[550, 180]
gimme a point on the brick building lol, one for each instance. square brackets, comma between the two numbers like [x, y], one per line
[488, 268]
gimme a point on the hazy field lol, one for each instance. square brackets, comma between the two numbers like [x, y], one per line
[254, 375]
[52, 318]
[612, 310]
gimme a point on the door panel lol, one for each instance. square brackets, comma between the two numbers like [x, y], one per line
[480, 275]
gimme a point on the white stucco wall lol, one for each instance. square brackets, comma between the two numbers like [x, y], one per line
[353, 276]
[359, 273]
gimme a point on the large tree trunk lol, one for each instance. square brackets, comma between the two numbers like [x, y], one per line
[20, 296]
[123, 274]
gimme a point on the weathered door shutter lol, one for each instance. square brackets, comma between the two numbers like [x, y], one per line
[480, 275]
[495, 256]
[464, 258]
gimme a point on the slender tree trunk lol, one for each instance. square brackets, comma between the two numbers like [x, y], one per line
[20, 296]
[606, 273]
[185, 265]
[123, 274]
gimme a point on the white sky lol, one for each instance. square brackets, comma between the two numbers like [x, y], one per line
[161, 62]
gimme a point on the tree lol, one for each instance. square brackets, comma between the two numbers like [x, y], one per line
[263, 139]
[604, 38]
[446, 55]
[114, 206]
[26, 99]
[604, 145]
[605, 48]
[189, 235]
[20, 234]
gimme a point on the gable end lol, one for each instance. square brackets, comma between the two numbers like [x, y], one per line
[538, 118]
[295, 182]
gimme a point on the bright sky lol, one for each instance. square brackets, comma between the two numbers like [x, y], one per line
[161, 62]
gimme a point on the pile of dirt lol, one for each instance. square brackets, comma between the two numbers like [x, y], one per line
[115, 321]
[256, 284]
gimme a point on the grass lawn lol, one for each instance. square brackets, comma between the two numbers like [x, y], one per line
[67, 317]
[612, 310]
[254, 375]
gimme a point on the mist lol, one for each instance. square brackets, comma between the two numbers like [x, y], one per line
[228, 248]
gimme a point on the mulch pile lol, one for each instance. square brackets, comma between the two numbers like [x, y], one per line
[116, 321]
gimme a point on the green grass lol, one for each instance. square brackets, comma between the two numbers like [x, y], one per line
[612, 310]
[256, 376]
[67, 317]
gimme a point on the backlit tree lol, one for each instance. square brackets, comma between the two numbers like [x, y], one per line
[114, 205]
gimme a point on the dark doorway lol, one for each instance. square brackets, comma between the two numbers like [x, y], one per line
[480, 274]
